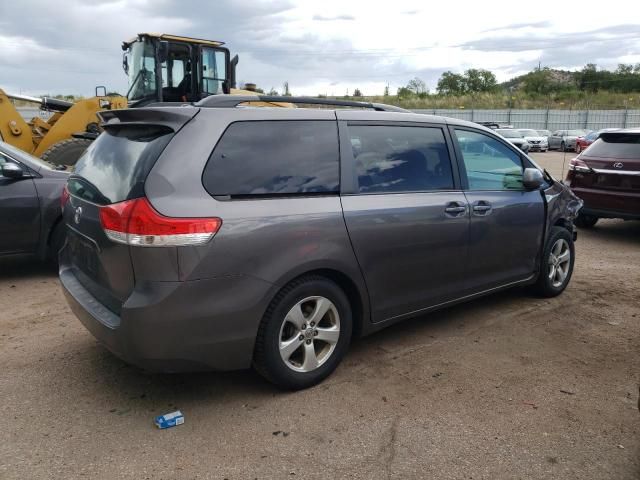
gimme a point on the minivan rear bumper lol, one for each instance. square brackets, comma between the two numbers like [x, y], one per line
[177, 326]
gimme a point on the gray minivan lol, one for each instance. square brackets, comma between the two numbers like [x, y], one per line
[220, 236]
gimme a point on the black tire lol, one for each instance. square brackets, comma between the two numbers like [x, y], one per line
[66, 152]
[56, 241]
[267, 359]
[545, 285]
[563, 147]
[585, 221]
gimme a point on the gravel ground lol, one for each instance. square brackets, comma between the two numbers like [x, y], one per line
[508, 386]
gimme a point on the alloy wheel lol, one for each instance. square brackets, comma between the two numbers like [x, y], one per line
[559, 262]
[309, 334]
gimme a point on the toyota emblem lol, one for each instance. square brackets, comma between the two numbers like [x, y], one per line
[77, 215]
[618, 165]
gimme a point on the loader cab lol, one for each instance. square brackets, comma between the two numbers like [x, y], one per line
[167, 68]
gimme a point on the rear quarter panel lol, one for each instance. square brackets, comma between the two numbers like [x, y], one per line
[275, 239]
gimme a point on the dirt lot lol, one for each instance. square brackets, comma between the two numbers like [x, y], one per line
[509, 386]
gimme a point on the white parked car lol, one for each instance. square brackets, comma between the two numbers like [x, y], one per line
[537, 142]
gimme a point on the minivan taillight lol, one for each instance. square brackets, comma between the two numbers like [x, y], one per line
[578, 165]
[136, 222]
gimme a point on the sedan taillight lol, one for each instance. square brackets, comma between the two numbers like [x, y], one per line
[64, 198]
[136, 222]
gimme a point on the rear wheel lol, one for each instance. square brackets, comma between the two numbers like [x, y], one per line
[557, 263]
[304, 333]
[66, 152]
[585, 221]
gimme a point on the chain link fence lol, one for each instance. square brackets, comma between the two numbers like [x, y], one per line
[547, 119]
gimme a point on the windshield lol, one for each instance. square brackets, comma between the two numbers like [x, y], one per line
[576, 133]
[142, 70]
[506, 133]
[529, 133]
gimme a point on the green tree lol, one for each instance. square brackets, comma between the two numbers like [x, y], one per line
[588, 78]
[538, 81]
[479, 80]
[451, 84]
[404, 92]
[357, 93]
[386, 90]
[417, 86]
[285, 90]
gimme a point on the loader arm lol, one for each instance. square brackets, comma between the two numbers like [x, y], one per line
[13, 128]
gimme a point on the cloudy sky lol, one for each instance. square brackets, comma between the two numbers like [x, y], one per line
[323, 46]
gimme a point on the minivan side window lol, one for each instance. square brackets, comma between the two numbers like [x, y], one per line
[392, 159]
[489, 164]
[273, 158]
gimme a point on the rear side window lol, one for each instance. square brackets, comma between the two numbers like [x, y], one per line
[115, 166]
[392, 159]
[272, 158]
[615, 146]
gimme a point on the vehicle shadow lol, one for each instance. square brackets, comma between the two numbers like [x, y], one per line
[614, 230]
[16, 267]
[128, 382]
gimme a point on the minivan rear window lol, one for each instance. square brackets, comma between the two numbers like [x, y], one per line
[115, 166]
[615, 145]
[274, 158]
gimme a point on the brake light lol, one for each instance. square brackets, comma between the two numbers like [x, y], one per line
[578, 165]
[136, 222]
[64, 198]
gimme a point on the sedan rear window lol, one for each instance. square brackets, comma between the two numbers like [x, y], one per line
[615, 145]
[274, 158]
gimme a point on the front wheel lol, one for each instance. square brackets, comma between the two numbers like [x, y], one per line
[304, 334]
[557, 263]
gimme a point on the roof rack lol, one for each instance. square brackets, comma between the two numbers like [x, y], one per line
[231, 101]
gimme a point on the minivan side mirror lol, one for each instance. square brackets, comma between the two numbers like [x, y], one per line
[12, 170]
[532, 179]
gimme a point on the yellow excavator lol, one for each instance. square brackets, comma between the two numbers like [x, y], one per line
[159, 67]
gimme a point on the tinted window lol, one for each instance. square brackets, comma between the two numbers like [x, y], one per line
[115, 166]
[275, 158]
[400, 159]
[490, 165]
[615, 146]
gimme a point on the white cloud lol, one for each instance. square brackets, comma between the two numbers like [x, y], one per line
[319, 47]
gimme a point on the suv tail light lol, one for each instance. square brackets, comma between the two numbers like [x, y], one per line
[136, 222]
[578, 165]
[64, 198]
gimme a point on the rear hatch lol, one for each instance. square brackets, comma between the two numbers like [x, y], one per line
[613, 161]
[111, 172]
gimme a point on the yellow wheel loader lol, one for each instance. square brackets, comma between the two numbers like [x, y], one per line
[61, 138]
[159, 67]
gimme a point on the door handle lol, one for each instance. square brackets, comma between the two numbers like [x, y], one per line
[481, 207]
[455, 209]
